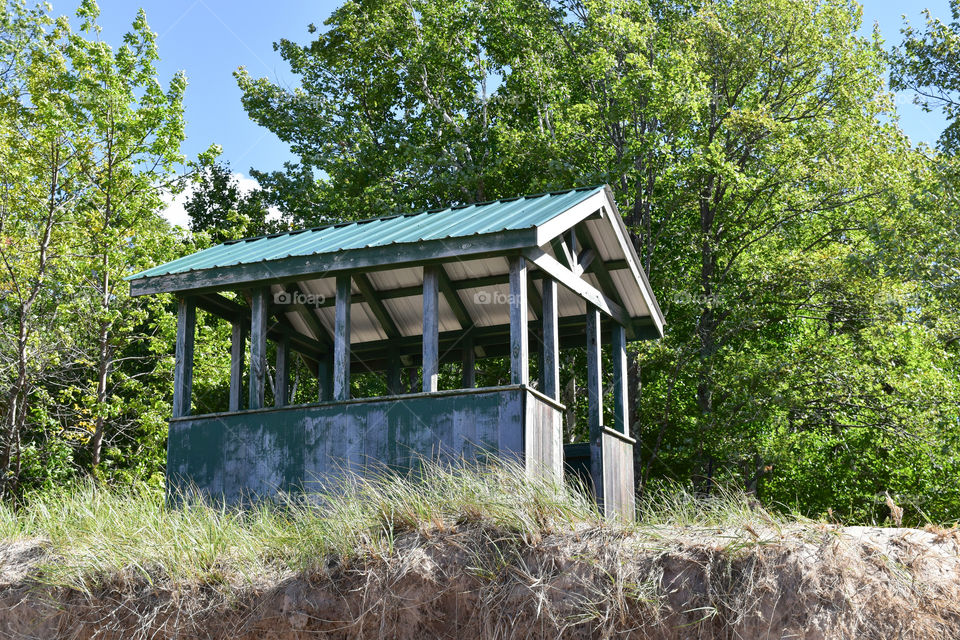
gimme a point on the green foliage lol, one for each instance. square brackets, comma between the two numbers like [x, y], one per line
[91, 139]
[804, 253]
[216, 205]
[928, 64]
[752, 149]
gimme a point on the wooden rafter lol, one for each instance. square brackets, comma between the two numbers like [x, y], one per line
[577, 285]
[308, 316]
[231, 311]
[449, 292]
[373, 299]
[599, 269]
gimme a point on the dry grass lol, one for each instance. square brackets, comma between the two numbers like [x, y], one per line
[463, 552]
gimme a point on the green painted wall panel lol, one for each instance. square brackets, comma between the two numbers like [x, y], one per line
[261, 453]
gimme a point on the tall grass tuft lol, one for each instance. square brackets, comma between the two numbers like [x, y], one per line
[94, 534]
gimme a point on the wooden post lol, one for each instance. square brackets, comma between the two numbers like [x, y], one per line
[519, 344]
[183, 362]
[620, 400]
[595, 401]
[393, 377]
[238, 345]
[324, 380]
[281, 384]
[341, 340]
[469, 377]
[258, 347]
[550, 366]
[431, 328]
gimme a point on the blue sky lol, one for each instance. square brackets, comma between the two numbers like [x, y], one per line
[209, 39]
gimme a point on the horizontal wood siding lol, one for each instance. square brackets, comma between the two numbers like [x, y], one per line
[258, 454]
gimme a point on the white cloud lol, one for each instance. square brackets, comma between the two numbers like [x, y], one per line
[176, 215]
[173, 209]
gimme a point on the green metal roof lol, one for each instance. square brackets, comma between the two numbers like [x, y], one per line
[523, 212]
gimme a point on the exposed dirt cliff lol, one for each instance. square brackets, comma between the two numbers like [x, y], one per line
[805, 581]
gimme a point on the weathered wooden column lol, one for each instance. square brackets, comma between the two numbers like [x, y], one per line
[183, 359]
[281, 383]
[431, 328]
[258, 347]
[550, 366]
[341, 340]
[394, 383]
[238, 340]
[595, 401]
[620, 400]
[469, 377]
[324, 379]
[519, 343]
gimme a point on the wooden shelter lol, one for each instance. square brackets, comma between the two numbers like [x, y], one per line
[411, 291]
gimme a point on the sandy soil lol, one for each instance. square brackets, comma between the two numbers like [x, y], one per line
[815, 582]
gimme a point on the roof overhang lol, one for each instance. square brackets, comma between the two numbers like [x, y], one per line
[613, 279]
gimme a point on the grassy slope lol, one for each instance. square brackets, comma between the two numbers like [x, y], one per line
[481, 552]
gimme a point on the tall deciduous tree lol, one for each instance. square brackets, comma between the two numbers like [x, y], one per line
[751, 150]
[89, 139]
[134, 128]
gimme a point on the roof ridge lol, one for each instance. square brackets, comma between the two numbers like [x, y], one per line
[392, 216]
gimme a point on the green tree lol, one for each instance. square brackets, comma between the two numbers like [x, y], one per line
[135, 129]
[927, 63]
[217, 205]
[90, 138]
[752, 150]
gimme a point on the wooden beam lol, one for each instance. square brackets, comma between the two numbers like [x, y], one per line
[469, 373]
[563, 253]
[453, 299]
[550, 369]
[341, 341]
[519, 342]
[295, 268]
[238, 343]
[258, 346]
[431, 328]
[373, 300]
[599, 269]
[595, 401]
[577, 285]
[307, 313]
[183, 356]
[533, 296]
[281, 384]
[584, 260]
[324, 380]
[620, 399]
[394, 382]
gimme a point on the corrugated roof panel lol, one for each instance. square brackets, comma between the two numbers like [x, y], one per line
[469, 269]
[407, 313]
[363, 324]
[396, 278]
[605, 238]
[512, 214]
[570, 304]
[631, 293]
[299, 324]
[487, 306]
